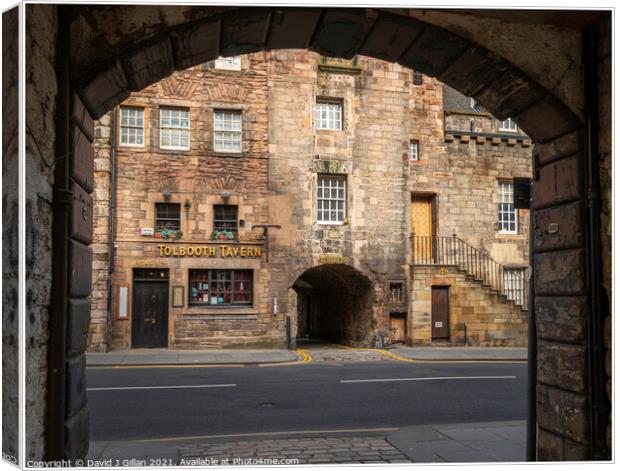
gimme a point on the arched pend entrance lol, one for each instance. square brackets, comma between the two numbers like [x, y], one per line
[334, 303]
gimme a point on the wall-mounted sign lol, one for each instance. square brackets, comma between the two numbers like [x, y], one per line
[147, 231]
[333, 258]
[177, 296]
[122, 302]
[234, 251]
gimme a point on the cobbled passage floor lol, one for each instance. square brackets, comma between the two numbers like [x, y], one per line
[292, 451]
[339, 354]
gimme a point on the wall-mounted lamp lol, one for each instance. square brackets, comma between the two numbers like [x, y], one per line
[225, 195]
[167, 194]
[187, 205]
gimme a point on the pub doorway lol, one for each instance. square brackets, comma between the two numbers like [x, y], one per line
[149, 313]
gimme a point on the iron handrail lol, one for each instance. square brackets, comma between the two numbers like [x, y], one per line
[435, 250]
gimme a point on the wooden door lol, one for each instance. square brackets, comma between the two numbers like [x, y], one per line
[422, 225]
[149, 314]
[440, 312]
[398, 327]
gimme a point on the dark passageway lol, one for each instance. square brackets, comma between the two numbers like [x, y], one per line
[334, 304]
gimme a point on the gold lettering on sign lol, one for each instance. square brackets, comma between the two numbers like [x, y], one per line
[333, 258]
[225, 251]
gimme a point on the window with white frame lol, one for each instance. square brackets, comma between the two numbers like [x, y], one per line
[328, 115]
[227, 131]
[506, 208]
[414, 150]
[477, 107]
[132, 126]
[228, 63]
[331, 199]
[418, 78]
[173, 128]
[514, 284]
[508, 125]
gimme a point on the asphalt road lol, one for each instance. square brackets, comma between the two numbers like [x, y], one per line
[151, 403]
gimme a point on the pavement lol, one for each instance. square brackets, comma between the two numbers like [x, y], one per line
[310, 352]
[444, 443]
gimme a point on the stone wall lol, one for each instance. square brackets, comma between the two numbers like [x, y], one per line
[10, 249]
[99, 327]
[198, 176]
[40, 154]
[492, 320]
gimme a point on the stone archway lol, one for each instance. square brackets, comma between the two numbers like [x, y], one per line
[334, 303]
[111, 51]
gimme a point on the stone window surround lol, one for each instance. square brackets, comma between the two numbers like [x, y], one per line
[162, 107]
[120, 126]
[344, 177]
[414, 144]
[239, 132]
[245, 125]
[332, 100]
[504, 181]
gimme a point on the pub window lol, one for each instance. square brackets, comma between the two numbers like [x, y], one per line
[220, 288]
[132, 126]
[167, 216]
[174, 128]
[414, 150]
[418, 79]
[227, 131]
[228, 63]
[328, 114]
[331, 199]
[225, 218]
[507, 214]
[508, 125]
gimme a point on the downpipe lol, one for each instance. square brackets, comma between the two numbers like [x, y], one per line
[532, 349]
[61, 208]
[599, 408]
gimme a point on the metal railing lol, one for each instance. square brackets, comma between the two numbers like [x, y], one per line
[433, 250]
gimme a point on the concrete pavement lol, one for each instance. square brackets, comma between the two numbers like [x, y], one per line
[461, 353]
[157, 356]
[445, 443]
[311, 352]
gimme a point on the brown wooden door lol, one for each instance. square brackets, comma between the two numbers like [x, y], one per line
[149, 314]
[440, 312]
[398, 323]
[422, 225]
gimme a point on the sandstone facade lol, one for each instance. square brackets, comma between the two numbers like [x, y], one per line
[337, 278]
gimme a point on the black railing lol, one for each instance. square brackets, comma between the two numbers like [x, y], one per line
[432, 250]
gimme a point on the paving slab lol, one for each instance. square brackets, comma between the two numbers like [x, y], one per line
[462, 443]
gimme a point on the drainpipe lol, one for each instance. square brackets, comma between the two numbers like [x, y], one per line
[112, 210]
[598, 309]
[61, 210]
[532, 345]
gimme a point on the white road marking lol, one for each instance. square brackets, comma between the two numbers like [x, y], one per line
[436, 378]
[189, 386]
[270, 434]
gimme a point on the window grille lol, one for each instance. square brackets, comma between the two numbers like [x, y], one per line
[174, 128]
[331, 199]
[507, 213]
[328, 115]
[132, 126]
[227, 131]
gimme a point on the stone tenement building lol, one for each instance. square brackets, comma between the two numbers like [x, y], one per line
[251, 201]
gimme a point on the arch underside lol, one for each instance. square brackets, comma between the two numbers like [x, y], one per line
[178, 41]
